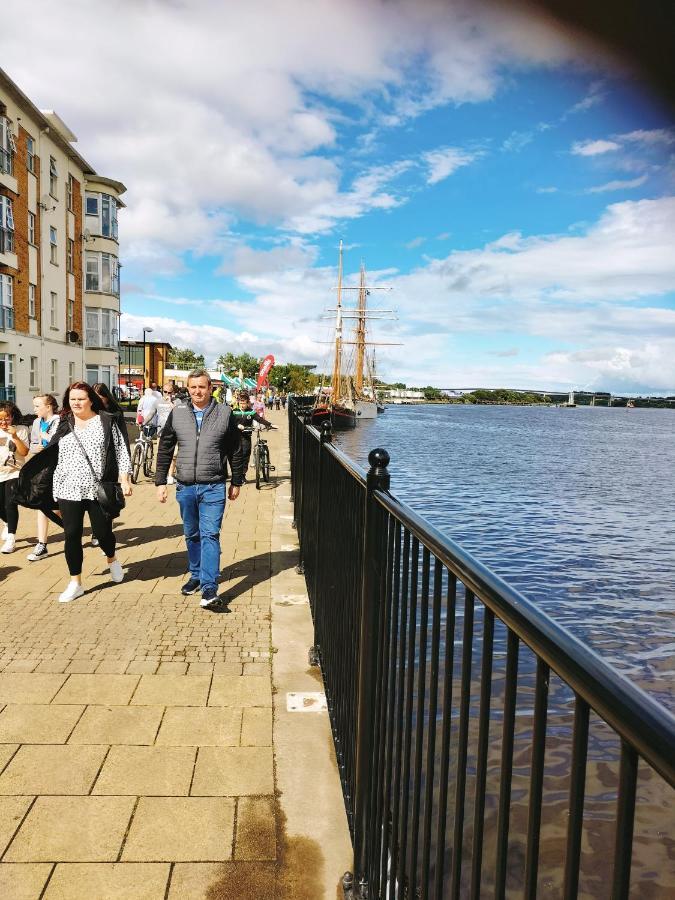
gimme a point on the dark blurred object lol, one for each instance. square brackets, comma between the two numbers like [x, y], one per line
[639, 32]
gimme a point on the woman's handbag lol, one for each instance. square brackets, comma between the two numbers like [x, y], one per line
[109, 494]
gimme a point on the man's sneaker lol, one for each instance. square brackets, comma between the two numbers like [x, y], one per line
[190, 587]
[9, 545]
[116, 571]
[72, 592]
[209, 597]
[39, 553]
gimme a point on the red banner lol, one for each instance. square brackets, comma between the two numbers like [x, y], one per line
[265, 367]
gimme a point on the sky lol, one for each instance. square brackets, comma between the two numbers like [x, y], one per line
[511, 185]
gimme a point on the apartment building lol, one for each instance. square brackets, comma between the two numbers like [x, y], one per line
[59, 256]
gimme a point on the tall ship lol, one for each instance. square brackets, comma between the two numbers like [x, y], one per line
[351, 395]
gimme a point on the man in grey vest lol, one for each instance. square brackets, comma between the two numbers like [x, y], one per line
[207, 437]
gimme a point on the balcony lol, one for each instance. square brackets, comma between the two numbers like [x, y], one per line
[6, 317]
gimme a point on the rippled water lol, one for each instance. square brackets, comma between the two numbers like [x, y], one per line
[574, 507]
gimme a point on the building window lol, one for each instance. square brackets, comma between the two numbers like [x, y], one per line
[91, 204]
[70, 316]
[6, 376]
[31, 228]
[53, 177]
[53, 310]
[70, 188]
[102, 328]
[70, 256]
[6, 301]
[53, 375]
[71, 372]
[31, 301]
[108, 216]
[7, 146]
[30, 154]
[33, 373]
[6, 225]
[53, 247]
[102, 272]
[101, 374]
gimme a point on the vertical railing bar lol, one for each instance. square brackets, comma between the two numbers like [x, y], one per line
[399, 716]
[445, 735]
[420, 724]
[433, 710]
[510, 695]
[391, 703]
[625, 818]
[536, 779]
[409, 689]
[481, 764]
[462, 744]
[381, 722]
[576, 798]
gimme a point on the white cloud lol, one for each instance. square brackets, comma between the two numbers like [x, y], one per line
[414, 243]
[618, 185]
[594, 148]
[547, 190]
[446, 160]
[651, 137]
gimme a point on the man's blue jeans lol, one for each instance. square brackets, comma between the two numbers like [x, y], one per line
[201, 509]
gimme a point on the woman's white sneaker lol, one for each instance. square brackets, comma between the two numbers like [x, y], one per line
[9, 545]
[116, 571]
[72, 592]
[5, 534]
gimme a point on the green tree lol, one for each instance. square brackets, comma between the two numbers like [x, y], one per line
[432, 393]
[185, 358]
[293, 377]
[232, 363]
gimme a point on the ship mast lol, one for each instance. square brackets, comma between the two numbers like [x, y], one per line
[337, 362]
[360, 334]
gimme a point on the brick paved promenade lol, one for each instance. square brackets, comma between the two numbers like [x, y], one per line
[136, 729]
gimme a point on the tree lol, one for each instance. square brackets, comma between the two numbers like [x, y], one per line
[232, 363]
[293, 377]
[185, 358]
[432, 393]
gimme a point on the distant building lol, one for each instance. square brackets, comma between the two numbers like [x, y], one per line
[59, 256]
[142, 363]
[395, 395]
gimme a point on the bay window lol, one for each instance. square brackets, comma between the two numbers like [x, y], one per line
[7, 146]
[102, 272]
[101, 213]
[6, 301]
[102, 328]
[6, 225]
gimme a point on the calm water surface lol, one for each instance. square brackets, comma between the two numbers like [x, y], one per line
[573, 507]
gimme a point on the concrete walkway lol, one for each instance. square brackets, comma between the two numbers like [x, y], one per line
[147, 749]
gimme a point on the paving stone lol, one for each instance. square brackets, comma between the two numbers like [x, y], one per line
[20, 687]
[146, 771]
[23, 881]
[105, 689]
[181, 829]
[7, 751]
[233, 771]
[172, 690]
[173, 668]
[112, 667]
[72, 829]
[121, 881]
[38, 724]
[256, 728]
[117, 725]
[256, 834]
[242, 690]
[22, 665]
[12, 811]
[142, 667]
[222, 881]
[52, 769]
[191, 726]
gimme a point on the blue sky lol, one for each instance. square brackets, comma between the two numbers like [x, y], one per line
[510, 183]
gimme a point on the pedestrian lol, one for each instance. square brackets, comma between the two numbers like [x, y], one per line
[154, 387]
[14, 445]
[206, 435]
[283, 400]
[86, 457]
[245, 416]
[110, 405]
[218, 393]
[277, 402]
[42, 430]
[146, 413]
[259, 405]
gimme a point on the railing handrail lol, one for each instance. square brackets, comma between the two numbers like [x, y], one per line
[639, 719]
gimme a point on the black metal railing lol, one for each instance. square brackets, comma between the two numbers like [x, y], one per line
[483, 749]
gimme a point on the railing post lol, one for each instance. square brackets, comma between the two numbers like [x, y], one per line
[378, 479]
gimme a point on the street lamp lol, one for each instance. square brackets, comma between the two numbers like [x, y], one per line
[145, 330]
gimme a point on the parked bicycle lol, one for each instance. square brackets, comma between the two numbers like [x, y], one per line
[261, 460]
[144, 453]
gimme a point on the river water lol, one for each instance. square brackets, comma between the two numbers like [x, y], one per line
[573, 507]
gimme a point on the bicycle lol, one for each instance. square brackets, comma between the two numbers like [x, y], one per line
[261, 460]
[144, 453]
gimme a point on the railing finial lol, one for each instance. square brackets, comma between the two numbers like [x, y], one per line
[378, 475]
[326, 431]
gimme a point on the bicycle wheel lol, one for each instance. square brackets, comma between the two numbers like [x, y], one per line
[258, 467]
[148, 459]
[136, 461]
[266, 464]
